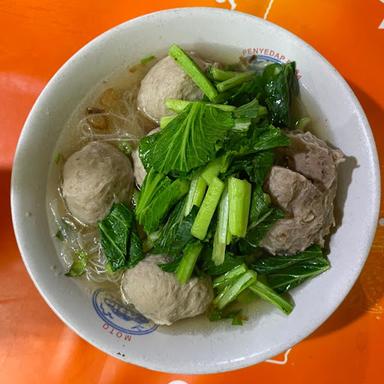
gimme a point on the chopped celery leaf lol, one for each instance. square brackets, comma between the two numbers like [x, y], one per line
[227, 314]
[78, 264]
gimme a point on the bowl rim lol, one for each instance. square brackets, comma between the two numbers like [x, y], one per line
[251, 359]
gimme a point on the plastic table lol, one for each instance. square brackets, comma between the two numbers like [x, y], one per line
[37, 37]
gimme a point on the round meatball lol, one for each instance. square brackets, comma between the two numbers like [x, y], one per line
[138, 167]
[93, 179]
[165, 80]
[160, 297]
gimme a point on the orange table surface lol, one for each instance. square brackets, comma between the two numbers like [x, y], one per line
[36, 38]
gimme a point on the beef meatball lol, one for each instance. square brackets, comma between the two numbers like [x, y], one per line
[160, 297]
[306, 208]
[313, 158]
[307, 195]
[165, 80]
[93, 179]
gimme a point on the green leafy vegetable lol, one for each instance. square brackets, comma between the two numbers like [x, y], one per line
[252, 110]
[258, 230]
[280, 87]
[247, 91]
[230, 261]
[256, 140]
[261, 165]
[286, 272]
[146, 144]
[119, 238]
[270, 264]
[255, 166]
[268, 138]
[188, 141]
[260, 205]
[158, 195]
[153, 184]
[242, 124]
[165, 120]
[78, 265]
[176, 232]
[291, 277]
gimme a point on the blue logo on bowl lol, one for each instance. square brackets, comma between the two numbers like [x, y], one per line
[121, 317]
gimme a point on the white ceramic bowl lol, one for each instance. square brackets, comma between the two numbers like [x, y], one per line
[193, 346]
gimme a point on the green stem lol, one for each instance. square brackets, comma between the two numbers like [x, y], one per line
[196, 194]
[178, 105]
[233, 290]
[239, 192]
[221, 75]
[220, 240]
[150, 241]
[268, 294]
[214, 168]
[234, 81]
[204, 216]
[193, 71]
[225, 279]
[223, 97]
[187, 263]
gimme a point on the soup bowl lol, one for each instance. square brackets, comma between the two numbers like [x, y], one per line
[196, 345]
